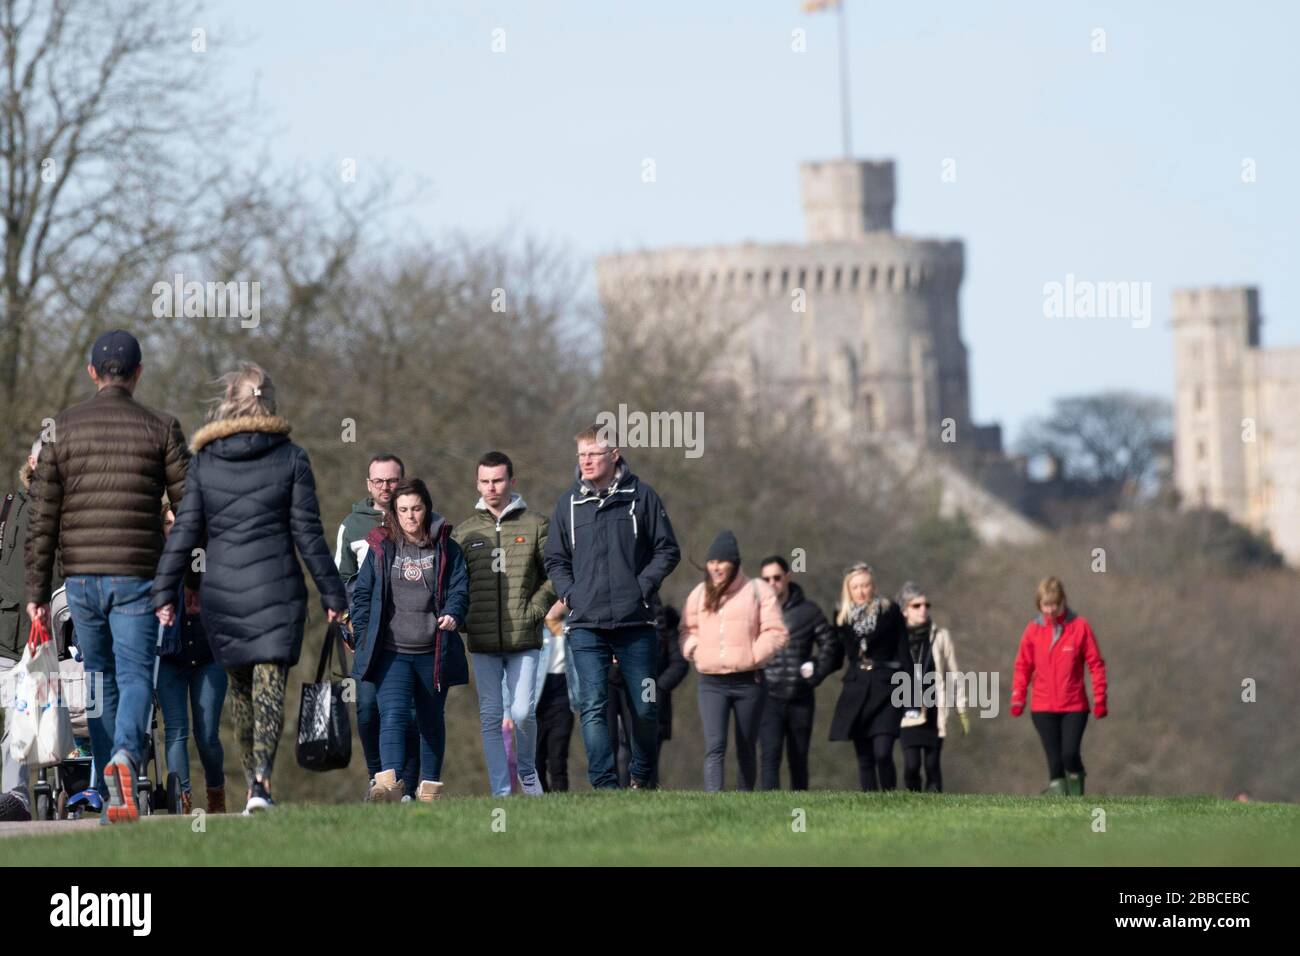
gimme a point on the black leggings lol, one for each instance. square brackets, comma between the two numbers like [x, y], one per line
[1062, 737]
[912, 757]
[876, 756]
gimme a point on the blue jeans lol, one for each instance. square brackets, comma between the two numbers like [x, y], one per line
[637, 649]
[117, 632]
[403, 679]
[513, 678]
[368, 731]
[180, 687]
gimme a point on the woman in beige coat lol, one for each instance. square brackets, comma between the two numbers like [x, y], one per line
[925, 723]
[730, 627]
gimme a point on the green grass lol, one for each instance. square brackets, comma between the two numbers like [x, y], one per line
[692, 828]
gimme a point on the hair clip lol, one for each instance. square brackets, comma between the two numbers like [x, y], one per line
[256, 391]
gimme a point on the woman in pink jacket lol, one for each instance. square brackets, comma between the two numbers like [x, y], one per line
[731, 626]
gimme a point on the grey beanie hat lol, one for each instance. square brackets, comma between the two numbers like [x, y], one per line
[724, 548]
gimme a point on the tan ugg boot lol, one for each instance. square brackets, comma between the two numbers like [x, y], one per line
[429, 790]
[387, 788]
[216, 799]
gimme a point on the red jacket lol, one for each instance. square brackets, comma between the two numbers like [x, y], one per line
[1056, 670]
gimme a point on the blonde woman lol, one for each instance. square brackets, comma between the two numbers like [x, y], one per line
[250, 501]
[1055, 646]
[873, 638]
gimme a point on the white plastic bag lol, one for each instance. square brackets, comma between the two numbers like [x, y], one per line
[21, 720]
[54, 728]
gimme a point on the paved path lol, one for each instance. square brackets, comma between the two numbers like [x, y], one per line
[38, 827]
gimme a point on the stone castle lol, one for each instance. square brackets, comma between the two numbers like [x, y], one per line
[1236, 446]
[857, 329]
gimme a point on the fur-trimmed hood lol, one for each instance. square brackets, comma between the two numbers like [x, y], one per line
[226, 427]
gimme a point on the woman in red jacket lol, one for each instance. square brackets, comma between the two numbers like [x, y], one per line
[1055, 646]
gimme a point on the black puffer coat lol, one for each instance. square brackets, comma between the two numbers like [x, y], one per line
[251, 494]
[811, 639]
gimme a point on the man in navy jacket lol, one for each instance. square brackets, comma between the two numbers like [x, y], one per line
[610, 547]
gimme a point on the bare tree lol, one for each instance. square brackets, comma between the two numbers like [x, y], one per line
[1107, 441]
[113, 163]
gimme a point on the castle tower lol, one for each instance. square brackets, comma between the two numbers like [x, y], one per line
[1236, 447]
[1216, 331]
[859, 327]
[846, 198]
[855, 333]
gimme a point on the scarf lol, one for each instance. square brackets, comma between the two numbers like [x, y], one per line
[863, 618]
[916, 640]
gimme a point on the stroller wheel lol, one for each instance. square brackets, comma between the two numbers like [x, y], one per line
[144, 801]
[174, 794]
[61, 805]
[44, 807]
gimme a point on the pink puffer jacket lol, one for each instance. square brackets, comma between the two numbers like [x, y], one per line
[741, 635]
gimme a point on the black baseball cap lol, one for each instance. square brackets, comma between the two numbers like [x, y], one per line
[115, 353]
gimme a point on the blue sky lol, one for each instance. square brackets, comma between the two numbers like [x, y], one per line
[1122, 165]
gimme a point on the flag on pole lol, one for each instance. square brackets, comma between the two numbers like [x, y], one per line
[813, 6]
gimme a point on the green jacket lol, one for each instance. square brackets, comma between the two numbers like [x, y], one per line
[350, 545]
[508, 601]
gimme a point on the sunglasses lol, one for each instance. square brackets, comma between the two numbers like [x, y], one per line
[775, 577]
[919, 604]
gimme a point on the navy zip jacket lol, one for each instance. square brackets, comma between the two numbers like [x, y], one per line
[372, 605]
[607, 554]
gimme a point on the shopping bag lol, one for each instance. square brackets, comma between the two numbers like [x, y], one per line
[20, 693]
[54, 727]
[324, 729]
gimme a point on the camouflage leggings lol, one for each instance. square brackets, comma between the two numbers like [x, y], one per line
[256, 698]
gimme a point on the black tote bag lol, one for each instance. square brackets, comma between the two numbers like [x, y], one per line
[324, 729]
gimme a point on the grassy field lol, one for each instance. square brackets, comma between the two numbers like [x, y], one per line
[695, 828]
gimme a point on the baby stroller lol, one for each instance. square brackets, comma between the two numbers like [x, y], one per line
[68, 789]
[73, 792]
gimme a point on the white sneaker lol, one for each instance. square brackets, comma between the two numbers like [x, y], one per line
[406, 798]
[531, 784]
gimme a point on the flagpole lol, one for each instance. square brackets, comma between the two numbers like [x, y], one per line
[844, 83]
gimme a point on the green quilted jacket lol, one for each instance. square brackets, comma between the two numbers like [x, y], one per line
[509, 593]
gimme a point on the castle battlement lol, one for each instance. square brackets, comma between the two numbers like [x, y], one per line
[1215, 305]
[881, 262]
[847, 199]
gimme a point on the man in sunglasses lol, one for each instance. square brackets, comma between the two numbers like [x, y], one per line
[792, 676]
[382, 475]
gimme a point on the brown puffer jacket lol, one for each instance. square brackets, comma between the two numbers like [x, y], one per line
[98, 490]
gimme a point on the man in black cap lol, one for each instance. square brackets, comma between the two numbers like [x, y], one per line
[97, 496]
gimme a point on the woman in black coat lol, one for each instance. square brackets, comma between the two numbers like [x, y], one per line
[873, 637]
[250, 499]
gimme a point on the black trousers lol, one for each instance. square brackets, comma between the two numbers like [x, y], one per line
[1062, 737]
[876, 758]
[554, 730]
[721, 696]
[913, 757]
[786, 724]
